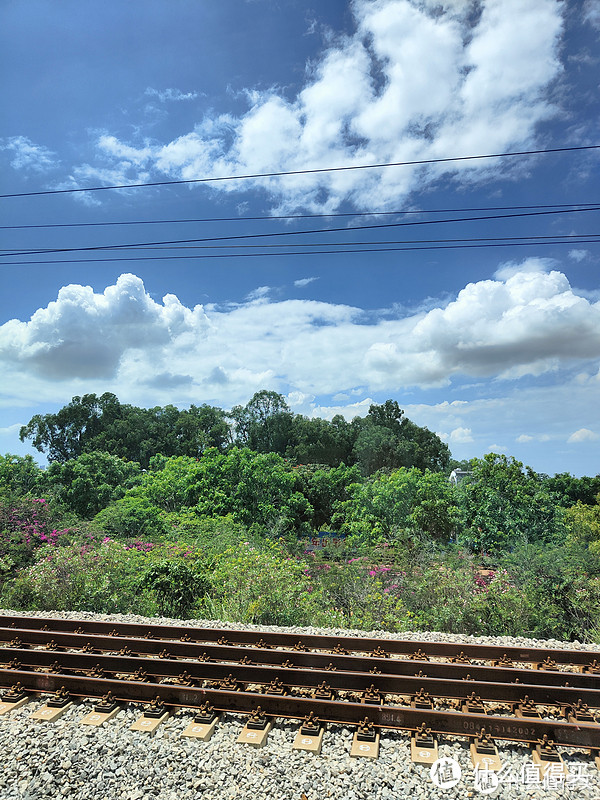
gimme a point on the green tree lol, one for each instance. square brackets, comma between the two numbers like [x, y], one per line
[177, 587]
[318, 441]
[391, 505]
[503, 505]
[571, 490]
[132, 517]
[325, 489]
[264, 424]
[63, 435]
[88, 483]
[583, 526]
[386, 439]
[19, 474]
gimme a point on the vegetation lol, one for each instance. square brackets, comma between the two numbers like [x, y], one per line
[212, 514]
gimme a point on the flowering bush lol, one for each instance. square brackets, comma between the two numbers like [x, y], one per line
[25, 525]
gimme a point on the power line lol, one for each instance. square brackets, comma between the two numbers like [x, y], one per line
[573, 237]
[421, 162]
[268, 217]
[203, 256]
[95, 248]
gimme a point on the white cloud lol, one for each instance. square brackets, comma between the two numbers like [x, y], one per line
[583, 435]
[531, 323]
[170, 95]
[84, 335]
[29, 155]
[578, 255]
[535, 264]
[302, 282]
[525, 438]
[592, 13]
[413, 81]
[258, 294]
[11, 429]
[460, 435]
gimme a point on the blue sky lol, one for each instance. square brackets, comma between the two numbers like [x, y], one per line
[493, 347]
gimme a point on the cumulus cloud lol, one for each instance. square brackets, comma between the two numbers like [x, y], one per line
[583, 435]
[414, 81]
[83, 334]
[460, 435]
[29, 155]
[535, 264]
[529, 324]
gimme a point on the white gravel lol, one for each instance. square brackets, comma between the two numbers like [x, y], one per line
[66, 760]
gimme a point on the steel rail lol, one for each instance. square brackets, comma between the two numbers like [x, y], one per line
[303, 659]
[323, 642]
[355, 681]
[339, 712]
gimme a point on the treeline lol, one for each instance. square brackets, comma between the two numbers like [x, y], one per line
[508, 551]
[202, 512]
[383, 439]
[499, 506]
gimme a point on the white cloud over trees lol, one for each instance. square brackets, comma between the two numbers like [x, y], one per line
[530, 324]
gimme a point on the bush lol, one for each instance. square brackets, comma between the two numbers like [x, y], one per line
[98, 576]
[131, 517]
[176, 586]
[262, 586]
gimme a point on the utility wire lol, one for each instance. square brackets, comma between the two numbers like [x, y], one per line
[40, 251]
[202, 256]
[573, 237]
[267, 217]
[420, 162]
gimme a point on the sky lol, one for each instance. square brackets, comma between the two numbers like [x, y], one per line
[338, 288]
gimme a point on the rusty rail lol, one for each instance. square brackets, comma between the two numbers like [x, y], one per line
[332, 677]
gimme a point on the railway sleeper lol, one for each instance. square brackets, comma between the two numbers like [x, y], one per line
[484, 752]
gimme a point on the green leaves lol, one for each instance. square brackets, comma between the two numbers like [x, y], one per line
[176, 585]
[503, 505]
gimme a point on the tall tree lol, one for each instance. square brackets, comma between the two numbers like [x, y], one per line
[64, 435]
[264, 424]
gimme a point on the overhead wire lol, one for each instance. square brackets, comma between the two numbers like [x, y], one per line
[574, 237]
[318, 170]
[275, 217]
[203, 256]
[237, 237]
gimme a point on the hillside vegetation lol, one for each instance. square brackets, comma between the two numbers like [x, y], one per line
[214, 514]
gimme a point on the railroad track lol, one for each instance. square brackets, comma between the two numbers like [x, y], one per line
[543, 697]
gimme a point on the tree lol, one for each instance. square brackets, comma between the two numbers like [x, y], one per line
[19, 474]
[177, 587]
[264, 424]
[571, 490]
[325, 489]
[317, 441]
[583, 525]
[503, 505]
[88, 483]
[63, 435]
[88, 424]
[386, 439]
[390, 505]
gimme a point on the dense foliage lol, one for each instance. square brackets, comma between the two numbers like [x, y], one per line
[203, 513]
[384, 438]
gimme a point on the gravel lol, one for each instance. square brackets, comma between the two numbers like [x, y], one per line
[66, 760]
